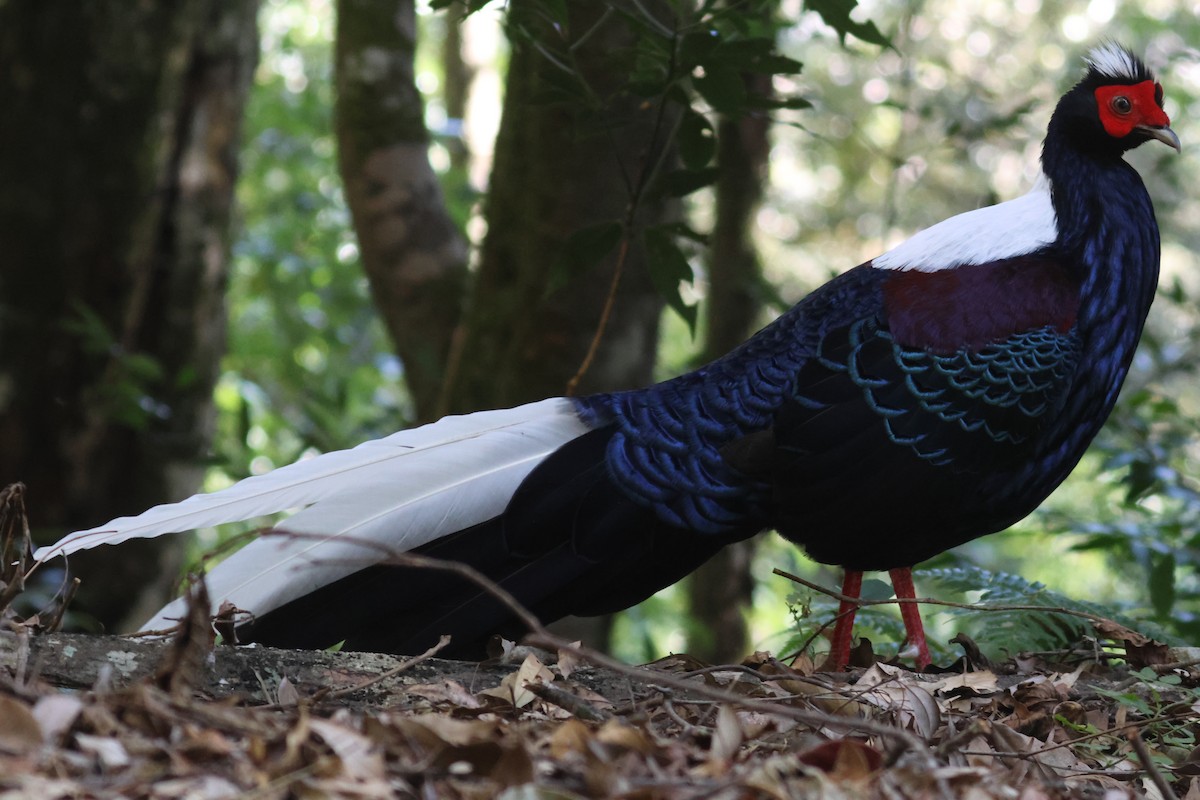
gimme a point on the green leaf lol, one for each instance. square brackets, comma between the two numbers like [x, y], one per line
[836, 14]
[775, 64]
[683, 182]
[695, 47]
[582, 251]
[756, 54]
[682, 230]
[697, 140]
[793, 103]
[875, 589]
[1162, 585]
[668, 269]
[998, 631]
[472, 5]
[723, 88]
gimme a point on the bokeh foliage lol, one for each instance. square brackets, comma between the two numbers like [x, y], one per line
[308, 365]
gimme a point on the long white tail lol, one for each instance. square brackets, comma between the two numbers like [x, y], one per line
[390, 494]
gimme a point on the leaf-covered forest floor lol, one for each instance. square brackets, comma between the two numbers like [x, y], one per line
[105, 716]
[180, 717]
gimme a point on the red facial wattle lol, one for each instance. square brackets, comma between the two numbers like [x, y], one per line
[1123, 108]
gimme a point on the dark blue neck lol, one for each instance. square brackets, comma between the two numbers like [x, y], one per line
[1106, 227]
[1106, 231]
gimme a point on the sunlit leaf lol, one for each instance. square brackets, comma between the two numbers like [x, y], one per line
[836, 14]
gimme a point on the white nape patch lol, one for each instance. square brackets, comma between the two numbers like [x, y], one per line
[1114, 61]
[1005, 230]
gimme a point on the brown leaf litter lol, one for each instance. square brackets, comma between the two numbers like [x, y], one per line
[674, 729]
[111, 717]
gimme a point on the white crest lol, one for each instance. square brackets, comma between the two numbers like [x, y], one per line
[1005, 230]
[1114, 61]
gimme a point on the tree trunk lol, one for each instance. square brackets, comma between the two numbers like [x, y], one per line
[559, 168]
[414, 256]
[733, 308]
[720, 591]
[119, 150]
[456, 91]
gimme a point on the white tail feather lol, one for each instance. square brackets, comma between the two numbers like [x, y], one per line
[391, 494]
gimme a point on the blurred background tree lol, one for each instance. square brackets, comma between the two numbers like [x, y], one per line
[118, 153]
[749, 203]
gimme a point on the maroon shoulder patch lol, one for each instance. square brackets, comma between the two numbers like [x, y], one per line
[976, 305]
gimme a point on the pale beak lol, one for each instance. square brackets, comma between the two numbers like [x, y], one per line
[1163, 134]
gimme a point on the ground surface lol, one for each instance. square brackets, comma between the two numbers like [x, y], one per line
[98, 716]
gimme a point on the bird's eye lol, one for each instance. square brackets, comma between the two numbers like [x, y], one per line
[1121, 104]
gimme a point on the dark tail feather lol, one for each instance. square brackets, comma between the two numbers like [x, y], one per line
[568, 543]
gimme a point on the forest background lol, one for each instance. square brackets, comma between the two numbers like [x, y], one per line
[237, 233]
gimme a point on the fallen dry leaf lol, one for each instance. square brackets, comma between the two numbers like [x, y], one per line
[1141, 650]
[19, 728]
[845, 759]
[568, 661]
[513, 688]
[450, 692]
[108, 750]
[55, 714]
[727, 735]
[361, 760]
[901, 694]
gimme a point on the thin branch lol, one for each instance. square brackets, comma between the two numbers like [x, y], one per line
[1144, 756]
[1141, 723]
[590, 32]
[605, 315]
[578, 707]
[549, 56]
[651, 19]
[408, 663]
[650, 168]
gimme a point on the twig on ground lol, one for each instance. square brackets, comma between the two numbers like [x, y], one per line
[577, 706]
[1163, 669]
[1143, 753]
[331, 694]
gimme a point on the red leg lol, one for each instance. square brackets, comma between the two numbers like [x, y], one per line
[903, 585]
[839, 650]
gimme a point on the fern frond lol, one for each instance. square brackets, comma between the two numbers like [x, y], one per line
[999, 633]
[1011, 631]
